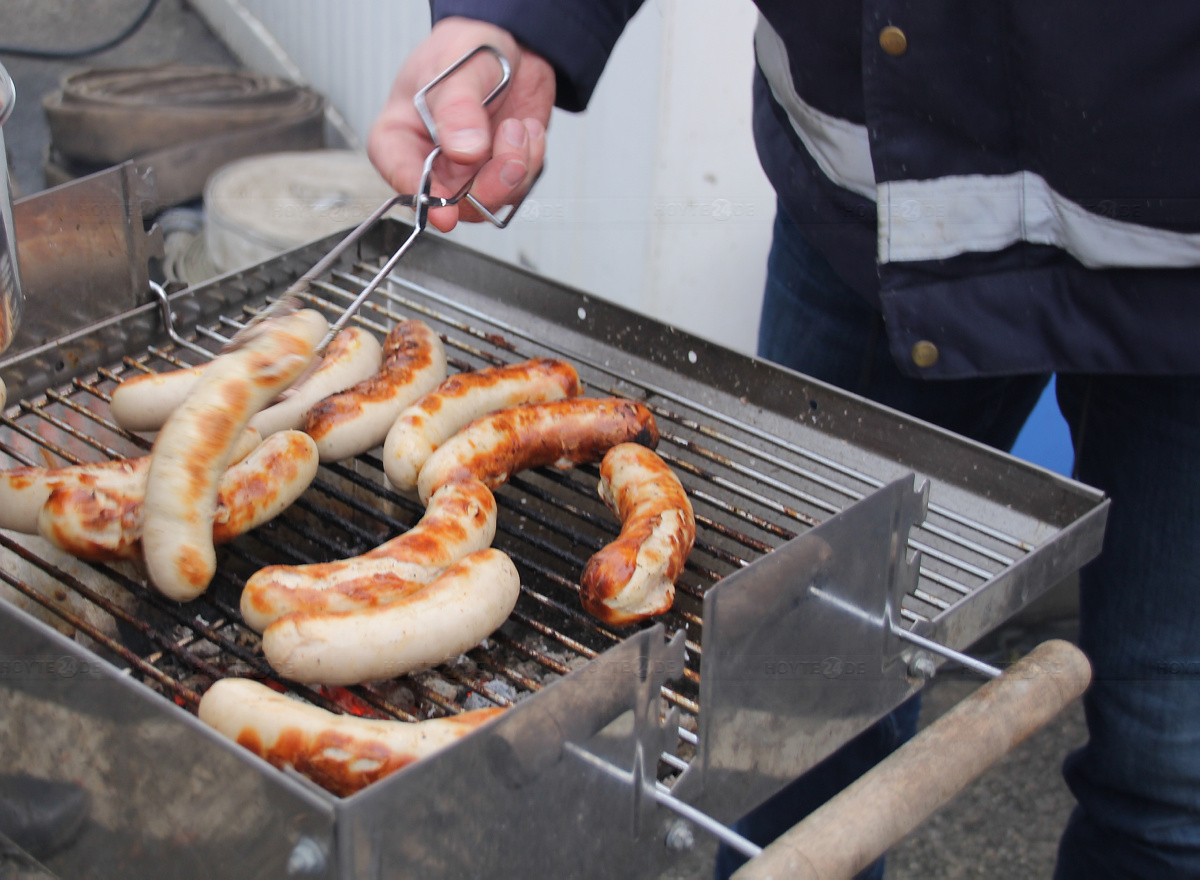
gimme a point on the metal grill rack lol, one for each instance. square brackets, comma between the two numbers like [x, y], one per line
[549, 524]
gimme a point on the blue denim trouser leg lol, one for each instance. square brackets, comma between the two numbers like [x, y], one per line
[1137, 780]
[812, 322]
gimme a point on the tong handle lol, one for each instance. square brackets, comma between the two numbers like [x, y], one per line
[420, 202]
[862, 822]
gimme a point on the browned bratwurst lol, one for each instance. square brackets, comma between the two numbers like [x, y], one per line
[634, 577]
[357, 419]
[101, 519]
[429, 422]
[562, 433]
[460, 519]
[341, 753]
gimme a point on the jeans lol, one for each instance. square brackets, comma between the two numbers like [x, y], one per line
[1137, 781]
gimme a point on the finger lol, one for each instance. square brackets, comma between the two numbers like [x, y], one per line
[518, 151]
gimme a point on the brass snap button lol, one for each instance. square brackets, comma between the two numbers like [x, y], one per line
[924, 353]
[893, 41]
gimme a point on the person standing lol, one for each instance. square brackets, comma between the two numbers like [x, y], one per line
[971, 199]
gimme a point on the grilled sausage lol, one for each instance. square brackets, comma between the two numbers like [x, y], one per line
[562, 433]
[101, 520]
[353, 356]
[341, 753]
[634, 577]
[145, 402]
[460, 519]
[424, 627]
[25, 490]
[196, 444]
[357, 419]
[429, 422]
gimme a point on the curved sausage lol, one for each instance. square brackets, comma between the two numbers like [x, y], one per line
[357, 419]
[353, 356]
[430, 624]
[460, 519]
[196, 444]
[144, 402]
[24, 491]
[562, 433]
[101, 520]
[634, 577]
[341, 753]
[429, 422]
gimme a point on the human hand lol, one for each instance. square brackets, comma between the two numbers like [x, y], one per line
[502, 144]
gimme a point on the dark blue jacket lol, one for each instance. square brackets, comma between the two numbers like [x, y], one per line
[1017, 183]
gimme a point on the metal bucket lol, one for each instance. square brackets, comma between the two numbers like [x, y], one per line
[11, 298]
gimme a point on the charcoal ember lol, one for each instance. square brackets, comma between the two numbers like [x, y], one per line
[440, 687]
[475, 701]
[501, 689]
[204, 649]
[396, 694]
[238, 669]
[197, 682]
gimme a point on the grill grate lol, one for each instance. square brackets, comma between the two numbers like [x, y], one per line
[752, 491]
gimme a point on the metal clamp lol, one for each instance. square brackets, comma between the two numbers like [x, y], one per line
[420, 201]
[168, 319]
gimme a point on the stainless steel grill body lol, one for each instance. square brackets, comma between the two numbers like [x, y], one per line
[786, 619]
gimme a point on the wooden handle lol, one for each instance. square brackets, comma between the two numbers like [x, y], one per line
[898, 794]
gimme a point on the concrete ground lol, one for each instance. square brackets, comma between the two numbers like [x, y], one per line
[1005, 825]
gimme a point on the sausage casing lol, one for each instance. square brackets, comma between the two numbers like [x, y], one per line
[196, 444]
[145, 402]
[352, 421]
[24, 491]
[341, 753]
[634, 577]
[429, 625]
[426, 424]
[352, 356]
[562, 433]
[100, 520]
[460, 519]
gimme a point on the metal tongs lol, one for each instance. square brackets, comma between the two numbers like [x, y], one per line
[421, 201]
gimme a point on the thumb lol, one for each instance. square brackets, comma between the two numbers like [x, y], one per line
[463, 125]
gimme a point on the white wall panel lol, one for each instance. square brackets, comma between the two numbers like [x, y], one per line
[653, 198]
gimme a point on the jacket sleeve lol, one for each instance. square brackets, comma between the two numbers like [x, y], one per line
[575, 36]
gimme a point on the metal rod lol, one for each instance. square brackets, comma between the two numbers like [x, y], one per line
[723, 833]
[663, 796]
[949, 653]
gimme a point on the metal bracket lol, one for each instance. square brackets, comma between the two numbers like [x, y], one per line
[84, 252]
[578, 764]
[800, 651]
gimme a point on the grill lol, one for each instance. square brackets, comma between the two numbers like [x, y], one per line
[826, 526]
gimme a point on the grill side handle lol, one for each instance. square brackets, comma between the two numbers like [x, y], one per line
[877, 811]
